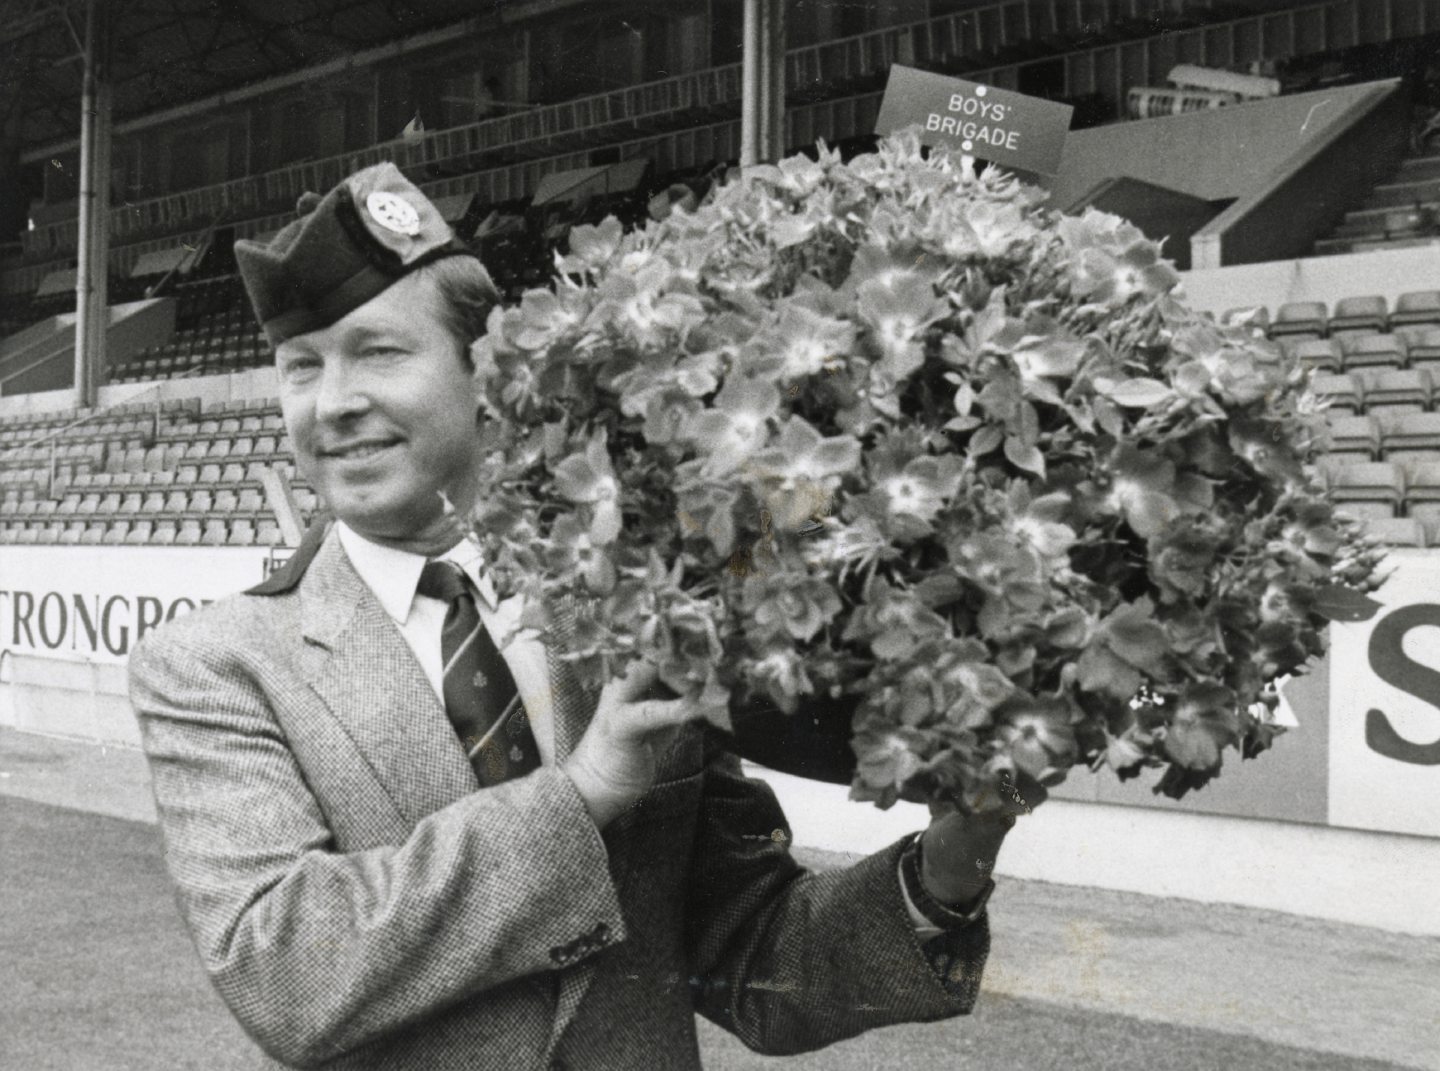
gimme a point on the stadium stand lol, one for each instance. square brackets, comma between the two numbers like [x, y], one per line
[189, 473]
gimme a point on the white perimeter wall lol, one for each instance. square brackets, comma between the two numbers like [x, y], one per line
[1385, 880]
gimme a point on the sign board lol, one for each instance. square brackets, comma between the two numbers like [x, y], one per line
[999, 125]
[1385, 707]
[92, 604]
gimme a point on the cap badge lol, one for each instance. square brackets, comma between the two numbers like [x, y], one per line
[393, 212]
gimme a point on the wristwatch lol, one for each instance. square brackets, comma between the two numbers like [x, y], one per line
[946, 916]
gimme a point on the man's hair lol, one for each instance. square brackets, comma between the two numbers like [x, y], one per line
[467, 294]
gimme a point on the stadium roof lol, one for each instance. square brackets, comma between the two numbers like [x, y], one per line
[172, 52]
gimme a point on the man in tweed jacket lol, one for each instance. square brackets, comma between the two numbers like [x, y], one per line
[357, 899]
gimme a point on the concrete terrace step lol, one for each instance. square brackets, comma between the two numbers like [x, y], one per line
[1404, 193]
[1328, 246]
[1419, 168]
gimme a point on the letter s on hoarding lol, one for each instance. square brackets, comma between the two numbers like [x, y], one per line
[1397, 669]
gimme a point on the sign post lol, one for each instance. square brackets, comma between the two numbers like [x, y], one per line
[999, 125]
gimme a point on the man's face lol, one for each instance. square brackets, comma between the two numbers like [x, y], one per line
[381, 414]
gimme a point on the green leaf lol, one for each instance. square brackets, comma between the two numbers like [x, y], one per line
[1139, 393]
[986, 439]
[1025, 457]
[1338, 603]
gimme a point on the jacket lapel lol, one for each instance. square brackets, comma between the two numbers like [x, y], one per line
[364, 672]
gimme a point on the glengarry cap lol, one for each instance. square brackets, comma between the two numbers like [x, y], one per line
[373, 228]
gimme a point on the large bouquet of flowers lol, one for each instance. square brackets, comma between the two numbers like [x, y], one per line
[890, 435]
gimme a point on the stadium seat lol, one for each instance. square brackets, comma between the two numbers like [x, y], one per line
[242, 533]
[70, 534]
[232, 473]
[250, 501]
[70, 503]
[1321, 354]
[1358, 314]
[164, 534]
[1299, 319]
[1395, 390]
[225, 501]
[115, 533]
[1353, 438]
[177, 502]
[201, 501]
[214, 534]
[140, 533]
[1370, 351]
[188, 534]
[1422, 489]
[267, 534]
[187, 474]
[1339, 392]
[1398, 531]
[93, 535]
[1369, 489]
[130, 503]
[1417, 307]
[1410, 435]
[109, 503]
[210, 472]
[1422, 345]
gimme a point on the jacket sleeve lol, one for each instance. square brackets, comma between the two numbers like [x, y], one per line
[791, 960]
[318, 951]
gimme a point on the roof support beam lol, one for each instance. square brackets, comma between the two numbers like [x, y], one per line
[762, 101]
[92, 297]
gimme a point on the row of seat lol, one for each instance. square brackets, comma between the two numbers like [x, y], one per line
[1415, 346]
[51, 419]
[189, 532]
[1404, 531]
[205, 477]
[1389, 434]
[1376, 390]
[165, 456]
[1379, 489]
[105, 505]
[213, 473]
[1360, 313]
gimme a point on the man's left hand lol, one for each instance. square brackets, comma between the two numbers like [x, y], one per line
[959, 849]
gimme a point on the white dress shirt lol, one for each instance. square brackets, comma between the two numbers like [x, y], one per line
[393, 575]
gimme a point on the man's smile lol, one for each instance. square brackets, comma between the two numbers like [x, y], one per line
[358, 450]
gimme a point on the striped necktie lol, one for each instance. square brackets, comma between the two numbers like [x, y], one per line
[481, 699]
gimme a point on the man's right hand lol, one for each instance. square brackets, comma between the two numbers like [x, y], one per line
[614, 763]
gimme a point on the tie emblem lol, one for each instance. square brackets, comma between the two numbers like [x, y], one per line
[481, 698]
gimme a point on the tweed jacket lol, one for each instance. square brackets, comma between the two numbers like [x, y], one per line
[359, 901]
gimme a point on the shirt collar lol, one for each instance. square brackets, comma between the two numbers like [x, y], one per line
[394, 574]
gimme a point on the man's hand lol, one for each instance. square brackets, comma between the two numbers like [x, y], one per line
[614, 763]
[958, 850]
